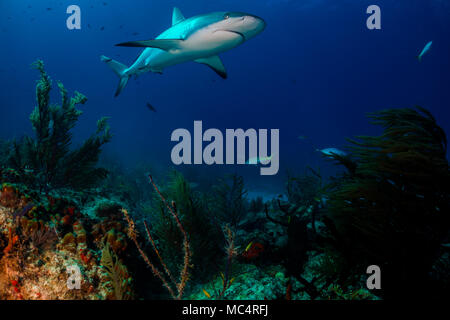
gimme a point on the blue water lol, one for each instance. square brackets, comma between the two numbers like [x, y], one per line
[315, 72]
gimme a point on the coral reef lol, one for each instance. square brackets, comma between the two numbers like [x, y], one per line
[211, 241]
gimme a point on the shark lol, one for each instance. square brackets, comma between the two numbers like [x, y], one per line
[200, 38]
[330, 152]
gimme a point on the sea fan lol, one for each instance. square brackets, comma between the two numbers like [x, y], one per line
[393, 210]
[116, 273]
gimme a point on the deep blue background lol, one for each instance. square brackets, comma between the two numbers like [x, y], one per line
[315, 71]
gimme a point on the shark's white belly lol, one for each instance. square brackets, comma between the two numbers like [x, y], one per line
[199, 45]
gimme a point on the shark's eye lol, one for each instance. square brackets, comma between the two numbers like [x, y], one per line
[226, 16]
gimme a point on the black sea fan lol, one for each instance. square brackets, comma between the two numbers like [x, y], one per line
[393, 210]
[48, 156]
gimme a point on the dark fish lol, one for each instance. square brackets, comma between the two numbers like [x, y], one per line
[24, 211]
[102, 28]
[135, 33]
[105, 3]
[89, 26]
[150, 107]
[49, 9]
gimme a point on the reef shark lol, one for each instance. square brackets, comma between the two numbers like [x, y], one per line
[200, 39]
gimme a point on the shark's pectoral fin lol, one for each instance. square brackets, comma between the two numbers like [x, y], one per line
[214, 63]
[177, 16]
[163, 44]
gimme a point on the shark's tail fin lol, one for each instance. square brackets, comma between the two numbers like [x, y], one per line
[118, 69]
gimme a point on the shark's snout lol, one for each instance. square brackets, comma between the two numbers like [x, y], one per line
[247, 25]
[255, 24]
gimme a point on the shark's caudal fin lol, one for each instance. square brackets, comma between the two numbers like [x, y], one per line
[119, 70]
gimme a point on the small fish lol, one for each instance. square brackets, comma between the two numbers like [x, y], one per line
[302, 137]
[193, 185]
[254, 251]
[49, 9]
[332, 151]
[257, 160]
[135, 33]
[249, 246]
[102, 28]
[206, 293]
[150, 107]
[425, 50]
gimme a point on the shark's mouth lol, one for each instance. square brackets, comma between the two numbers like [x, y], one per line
[238, 33]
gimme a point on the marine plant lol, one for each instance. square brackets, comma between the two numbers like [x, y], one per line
[43, 237]
[47, 161]
[229, 200]
[298, 242]
[305, 189]
[174, 286]
[198, 220]
[226, 276]
[117, 274]
[393, 210]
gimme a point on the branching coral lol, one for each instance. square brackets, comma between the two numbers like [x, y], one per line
[175, 288]
[231, 251]
[198, 220]
[48, 157]
[393, 210]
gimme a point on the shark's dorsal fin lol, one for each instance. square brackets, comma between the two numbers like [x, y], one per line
[177, 16]
[163, 44]
[214, 63]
